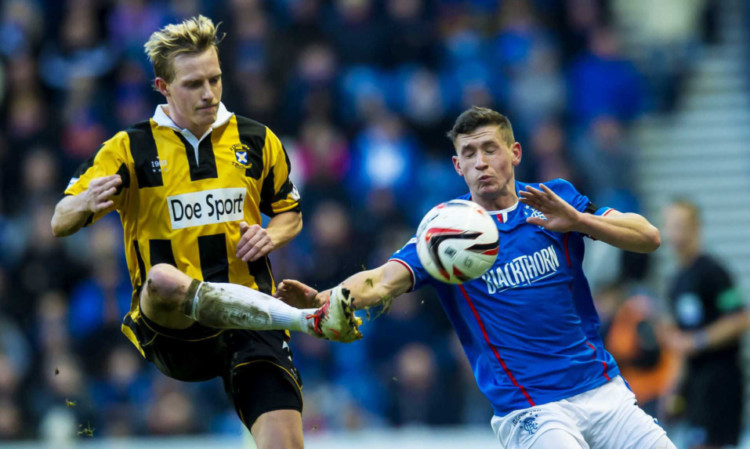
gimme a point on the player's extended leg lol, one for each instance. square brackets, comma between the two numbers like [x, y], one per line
[616, 422]
[267, 397]
[548, 426]
[173, 299]
[279, 429]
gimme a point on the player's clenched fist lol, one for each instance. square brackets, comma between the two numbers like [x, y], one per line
[254, 243]
[98, 196]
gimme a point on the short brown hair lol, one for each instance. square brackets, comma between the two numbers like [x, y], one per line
[477, 117]
[192, 36]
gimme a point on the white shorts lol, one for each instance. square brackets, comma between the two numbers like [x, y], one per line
[606, 417]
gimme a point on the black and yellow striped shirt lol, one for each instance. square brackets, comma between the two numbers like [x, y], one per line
[186, 212]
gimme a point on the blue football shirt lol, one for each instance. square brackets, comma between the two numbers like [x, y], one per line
[528, 326]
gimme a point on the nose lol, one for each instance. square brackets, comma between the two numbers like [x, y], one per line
[480, 161]
[208, 93]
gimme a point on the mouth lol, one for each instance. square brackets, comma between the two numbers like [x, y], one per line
[208, 108]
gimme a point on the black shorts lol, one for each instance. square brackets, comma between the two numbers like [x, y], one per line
[256, 366]
[714, 393]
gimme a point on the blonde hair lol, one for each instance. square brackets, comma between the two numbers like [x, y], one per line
[192, 36]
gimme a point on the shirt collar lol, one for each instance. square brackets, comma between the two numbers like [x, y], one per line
[162, 119]
[504, 211]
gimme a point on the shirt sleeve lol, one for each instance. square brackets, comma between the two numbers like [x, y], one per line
[110, 159]
[278, 194]
[407, 256]
[718, 284]
[568, 192]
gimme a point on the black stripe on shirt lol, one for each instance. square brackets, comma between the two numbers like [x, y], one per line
[205, 168]
[261, 271]
[141, 265]
[212, 251]
[267, 195]
[125, 176]
[145, 155]
[252, 134]
[161, 252]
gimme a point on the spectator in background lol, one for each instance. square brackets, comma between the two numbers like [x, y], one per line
[27, 122]
[120, 389]
[605, 158]
[98, 303]
[15, 361]
[602, 82]
[80, 51]
[668, 31]
[411, 33]
[43, 266]
[21, 27]
[310, 88]
[324, 157]
[709, 317]
[630, 335]
[131, 94]
[172, 412]
[384, 159]
[334, 250]
[548, 150]
[357, 31]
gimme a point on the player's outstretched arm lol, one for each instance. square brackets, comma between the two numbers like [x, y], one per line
[368, 288]
[372, 287]
[628, 231]
[72, 212]
[336, 320]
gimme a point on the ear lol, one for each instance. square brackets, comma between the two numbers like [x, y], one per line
[161, 86]
[457, 166]
[517, 153]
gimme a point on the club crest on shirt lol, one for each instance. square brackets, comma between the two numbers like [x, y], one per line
[529, 211]
[527, 421]
[241, 155]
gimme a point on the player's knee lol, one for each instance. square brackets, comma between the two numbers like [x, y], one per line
[288, 441]
[164, 287]
[278, 440]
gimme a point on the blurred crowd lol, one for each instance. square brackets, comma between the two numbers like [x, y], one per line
[361, 93]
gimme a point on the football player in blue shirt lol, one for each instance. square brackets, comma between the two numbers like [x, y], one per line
[528, 326]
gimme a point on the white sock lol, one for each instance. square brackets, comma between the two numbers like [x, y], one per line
[233, 306]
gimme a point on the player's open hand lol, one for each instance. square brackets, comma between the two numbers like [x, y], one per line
[98, 197]
[254, 243]
[298, 295]
[561, 216]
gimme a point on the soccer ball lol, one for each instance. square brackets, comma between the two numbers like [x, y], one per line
[457, 241]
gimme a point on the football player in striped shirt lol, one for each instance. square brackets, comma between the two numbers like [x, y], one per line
[190, 185]
[528, 326]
